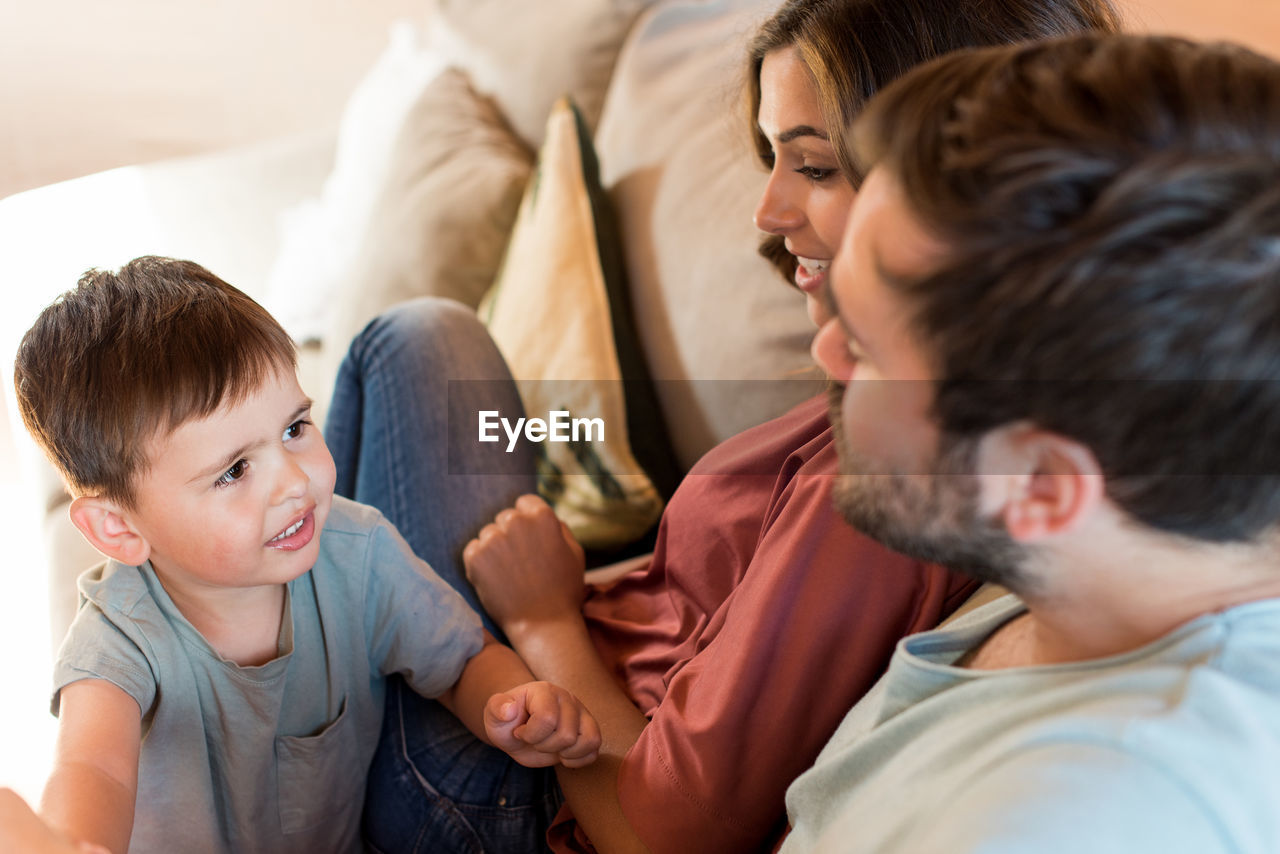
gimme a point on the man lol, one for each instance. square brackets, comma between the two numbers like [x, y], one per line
[1057, 345]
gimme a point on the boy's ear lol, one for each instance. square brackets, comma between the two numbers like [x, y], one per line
[108, 529]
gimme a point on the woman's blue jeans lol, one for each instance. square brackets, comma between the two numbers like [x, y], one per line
[403, 433]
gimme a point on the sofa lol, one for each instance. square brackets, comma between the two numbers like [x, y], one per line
[420, 190]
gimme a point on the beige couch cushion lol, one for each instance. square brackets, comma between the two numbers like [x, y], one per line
[725, 338]
[441, 219]
[322, 236]
[527, 54]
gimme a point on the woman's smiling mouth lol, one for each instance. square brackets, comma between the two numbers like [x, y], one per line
[810, 273]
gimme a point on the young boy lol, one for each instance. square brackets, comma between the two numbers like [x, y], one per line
[225, 673]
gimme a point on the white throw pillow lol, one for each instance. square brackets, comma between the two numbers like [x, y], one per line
[441, 219]
[526, 55]
[320, 237]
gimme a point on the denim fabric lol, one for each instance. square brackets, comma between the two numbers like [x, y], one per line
[434, 787]
[401, 430]
[402, 439]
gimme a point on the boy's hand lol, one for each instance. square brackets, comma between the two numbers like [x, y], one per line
[541, 724]
[526, 566]
[23, 830]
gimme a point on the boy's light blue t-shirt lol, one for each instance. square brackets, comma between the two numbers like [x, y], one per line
[1174, 747]
[271, 758]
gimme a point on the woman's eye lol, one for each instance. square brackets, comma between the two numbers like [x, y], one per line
[816, 173]
[233, 474]
[296, 429]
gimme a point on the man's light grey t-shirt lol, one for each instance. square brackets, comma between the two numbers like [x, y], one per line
[1170, 748]
[270, 758]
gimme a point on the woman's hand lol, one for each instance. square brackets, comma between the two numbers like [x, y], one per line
[526, 566]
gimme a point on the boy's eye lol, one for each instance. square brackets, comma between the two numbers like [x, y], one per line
[296, 429]
[233, 474]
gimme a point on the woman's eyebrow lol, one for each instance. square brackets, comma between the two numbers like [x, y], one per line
[801, 130]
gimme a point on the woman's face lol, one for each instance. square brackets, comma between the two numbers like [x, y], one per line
[807, 200]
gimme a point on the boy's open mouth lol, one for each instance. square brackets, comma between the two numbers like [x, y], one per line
[296, 535]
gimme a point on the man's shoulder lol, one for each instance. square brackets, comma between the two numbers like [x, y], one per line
[1193, 730]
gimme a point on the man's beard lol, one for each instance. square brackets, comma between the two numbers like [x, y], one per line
[932, 515]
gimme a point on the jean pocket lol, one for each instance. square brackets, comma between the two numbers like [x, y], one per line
[319, 777]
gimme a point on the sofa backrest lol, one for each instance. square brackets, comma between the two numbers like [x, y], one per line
[725, 338]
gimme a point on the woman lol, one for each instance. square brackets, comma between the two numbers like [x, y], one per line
[719, 668]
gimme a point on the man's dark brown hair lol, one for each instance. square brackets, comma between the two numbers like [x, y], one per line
[1113, 207]
[130, 356]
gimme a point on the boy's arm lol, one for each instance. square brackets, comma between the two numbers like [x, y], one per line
[537, 723]
[493, 669]
[22, 830]
[90, 793]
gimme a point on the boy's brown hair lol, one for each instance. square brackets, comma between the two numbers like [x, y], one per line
[126, 357]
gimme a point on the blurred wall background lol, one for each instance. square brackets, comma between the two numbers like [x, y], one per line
[87, 85]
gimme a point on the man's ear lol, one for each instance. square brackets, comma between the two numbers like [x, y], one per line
[108, 529]
[1050, 482]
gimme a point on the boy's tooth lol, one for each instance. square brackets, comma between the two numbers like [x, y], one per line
[289, 531]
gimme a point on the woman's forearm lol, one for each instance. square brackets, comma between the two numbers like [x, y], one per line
[561, 652]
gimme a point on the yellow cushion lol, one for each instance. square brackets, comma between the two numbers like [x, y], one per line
[558, 312]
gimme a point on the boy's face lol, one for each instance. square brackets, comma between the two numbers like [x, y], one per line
[238, 499]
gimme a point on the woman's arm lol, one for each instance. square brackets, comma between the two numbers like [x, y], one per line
[90, 793]
[529, 575]
[562, 652]
[799, 639]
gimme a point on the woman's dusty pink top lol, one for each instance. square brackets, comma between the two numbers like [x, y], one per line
[760, 620]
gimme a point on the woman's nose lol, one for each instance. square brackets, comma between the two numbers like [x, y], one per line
[777, 212]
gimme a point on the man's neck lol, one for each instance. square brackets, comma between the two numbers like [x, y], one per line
[1095, 603]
